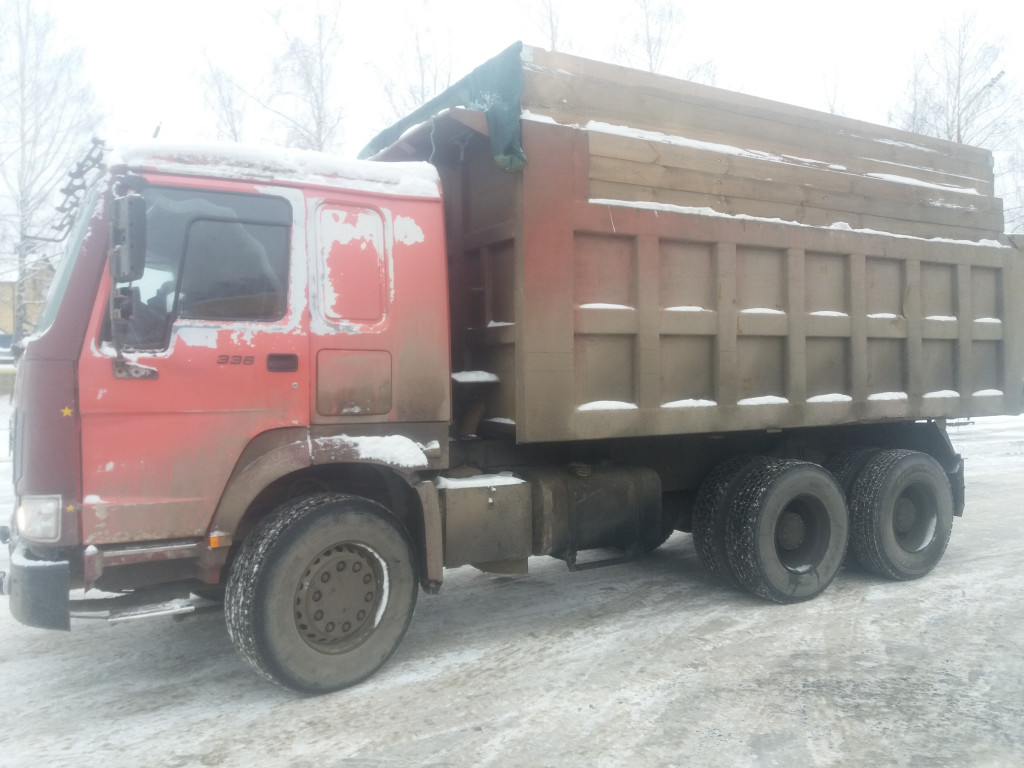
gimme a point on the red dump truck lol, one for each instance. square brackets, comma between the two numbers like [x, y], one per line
[565, 307]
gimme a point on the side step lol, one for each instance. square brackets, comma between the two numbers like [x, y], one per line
[142, 605]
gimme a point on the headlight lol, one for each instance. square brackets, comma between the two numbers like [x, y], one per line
[38, 518]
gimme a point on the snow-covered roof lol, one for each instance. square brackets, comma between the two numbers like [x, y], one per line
[263, 163]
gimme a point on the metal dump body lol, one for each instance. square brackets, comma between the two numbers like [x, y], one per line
[675, 258]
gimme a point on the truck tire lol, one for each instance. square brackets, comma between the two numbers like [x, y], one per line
[845, 467]
[901, 514]
[787, 534]
[847, 464]
[711, 513]
[321, 592]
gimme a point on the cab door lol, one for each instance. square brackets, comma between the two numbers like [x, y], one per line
[214, 354]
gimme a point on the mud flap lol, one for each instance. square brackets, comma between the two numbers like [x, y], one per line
[38, 591]
[956, 485]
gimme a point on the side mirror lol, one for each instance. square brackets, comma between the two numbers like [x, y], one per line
[128, 238]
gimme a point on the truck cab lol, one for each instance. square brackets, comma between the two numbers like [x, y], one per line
[246, 334]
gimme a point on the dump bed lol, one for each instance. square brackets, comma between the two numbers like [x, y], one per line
[635, 255]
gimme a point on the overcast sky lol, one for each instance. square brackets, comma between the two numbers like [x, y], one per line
[145, 59]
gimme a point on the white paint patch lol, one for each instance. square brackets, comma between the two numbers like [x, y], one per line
[599, 305]
[764, 400]
[244, 333]
[688, 309]
[110, 467]
[828, 313]
[989, 393]
[691, 403]
[192, 336]
[407, 231]
[761, 311]
[339, 226]
[100, 394]
[942, 393]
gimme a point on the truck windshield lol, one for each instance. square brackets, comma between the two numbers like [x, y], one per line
[62, 276]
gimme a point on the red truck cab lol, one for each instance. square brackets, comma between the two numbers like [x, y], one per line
[272, 329]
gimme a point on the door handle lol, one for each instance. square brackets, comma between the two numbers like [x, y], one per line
[282, 363]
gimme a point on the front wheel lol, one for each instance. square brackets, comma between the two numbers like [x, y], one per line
[321, 592]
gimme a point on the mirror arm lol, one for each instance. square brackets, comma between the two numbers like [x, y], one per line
[121, 310]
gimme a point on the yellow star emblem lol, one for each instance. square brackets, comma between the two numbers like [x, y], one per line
[70, 508]
[66, 411]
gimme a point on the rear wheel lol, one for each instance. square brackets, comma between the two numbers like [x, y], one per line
[712, 510]
[322, 592]
[901, 514]
[788, 530]
[847, 464]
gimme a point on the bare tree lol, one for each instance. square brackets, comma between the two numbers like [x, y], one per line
[913, 113]
[705, 72]
[961, 93]
[655, 41]
[1011, 180]
[304, 75]
[831, 84]
[550, 24]
[226, 100]
[657, 27]
[424, 70]
[47, 119]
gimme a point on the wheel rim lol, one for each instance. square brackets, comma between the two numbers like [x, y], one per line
[914, 519]
[802, 534]
[340, 598]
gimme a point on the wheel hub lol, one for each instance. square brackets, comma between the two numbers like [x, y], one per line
[904, 515]
[790, 531]
[914, 520]
[338, 598]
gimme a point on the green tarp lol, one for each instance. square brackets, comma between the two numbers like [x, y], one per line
[493, 88]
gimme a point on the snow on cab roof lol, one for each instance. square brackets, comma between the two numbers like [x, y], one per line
[236, 161]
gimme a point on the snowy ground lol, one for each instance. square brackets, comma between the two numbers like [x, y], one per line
[646, 664]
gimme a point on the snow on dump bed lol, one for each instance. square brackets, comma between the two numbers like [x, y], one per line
[840, 226]
[236, 161]
[757, 154]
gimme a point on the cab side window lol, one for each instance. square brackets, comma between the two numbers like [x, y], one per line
[210, 256]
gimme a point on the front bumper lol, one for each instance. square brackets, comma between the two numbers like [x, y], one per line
[39, 590]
